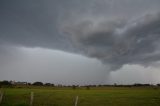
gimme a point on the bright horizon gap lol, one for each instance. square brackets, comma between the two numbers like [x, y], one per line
[46, 57]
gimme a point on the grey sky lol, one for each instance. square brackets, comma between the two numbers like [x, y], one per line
[79, 41]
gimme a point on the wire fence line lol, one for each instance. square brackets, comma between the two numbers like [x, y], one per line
[32, 99]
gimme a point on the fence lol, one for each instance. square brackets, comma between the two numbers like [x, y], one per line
[32, 98]
[76, 101]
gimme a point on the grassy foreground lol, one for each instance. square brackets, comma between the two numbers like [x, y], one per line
[99, 96]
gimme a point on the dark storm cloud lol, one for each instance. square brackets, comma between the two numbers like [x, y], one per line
[29, 23]
[118, 43]
[103, 29]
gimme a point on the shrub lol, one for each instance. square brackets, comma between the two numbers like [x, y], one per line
[38, 83]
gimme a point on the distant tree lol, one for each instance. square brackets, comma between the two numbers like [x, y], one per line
[137, 84]
[48, 84]
[88, 87]
[29, 83]
[158, 84]
[5, 83]
[38, 83]
[73, 87]
[100, 85]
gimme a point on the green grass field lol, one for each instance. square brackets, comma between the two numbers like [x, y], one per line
[98, 96]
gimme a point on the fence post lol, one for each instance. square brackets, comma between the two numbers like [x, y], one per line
[1, 97]
[76, 101]
[31, 99]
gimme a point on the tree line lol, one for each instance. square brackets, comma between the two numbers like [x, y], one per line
[38, 83]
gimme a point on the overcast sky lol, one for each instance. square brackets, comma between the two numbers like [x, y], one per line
[80, 41]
